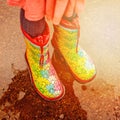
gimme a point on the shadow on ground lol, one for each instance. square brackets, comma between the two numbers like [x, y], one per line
[20, 101]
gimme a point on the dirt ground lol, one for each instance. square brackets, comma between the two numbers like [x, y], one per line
[22, 102]
[97, 100]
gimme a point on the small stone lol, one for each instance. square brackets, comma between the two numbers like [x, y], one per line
[84, 87]
[21, 95]
[61, 116]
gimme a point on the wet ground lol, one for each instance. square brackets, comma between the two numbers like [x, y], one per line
[97, 100]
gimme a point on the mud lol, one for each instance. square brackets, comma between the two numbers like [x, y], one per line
[21, 102]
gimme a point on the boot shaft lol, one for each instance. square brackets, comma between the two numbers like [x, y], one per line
[35, 53]
[37, 47]
[66, 35]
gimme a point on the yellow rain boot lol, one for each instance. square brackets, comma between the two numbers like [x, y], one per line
[44, 77]
[65, 43]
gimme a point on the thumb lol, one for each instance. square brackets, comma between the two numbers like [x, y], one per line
[79, 6]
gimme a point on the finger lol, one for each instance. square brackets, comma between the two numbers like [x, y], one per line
[34, 9]
[59, 10]
[70, 8]
[79, 6]
[50, 6]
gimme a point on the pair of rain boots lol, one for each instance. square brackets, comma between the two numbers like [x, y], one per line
[65, 43]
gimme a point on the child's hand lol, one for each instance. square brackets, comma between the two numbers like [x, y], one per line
[52, 9]
[63, 7]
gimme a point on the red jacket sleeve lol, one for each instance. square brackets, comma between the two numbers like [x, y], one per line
[19, 3]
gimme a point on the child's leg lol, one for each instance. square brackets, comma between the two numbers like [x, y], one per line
[44, 77]
[33, 28]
